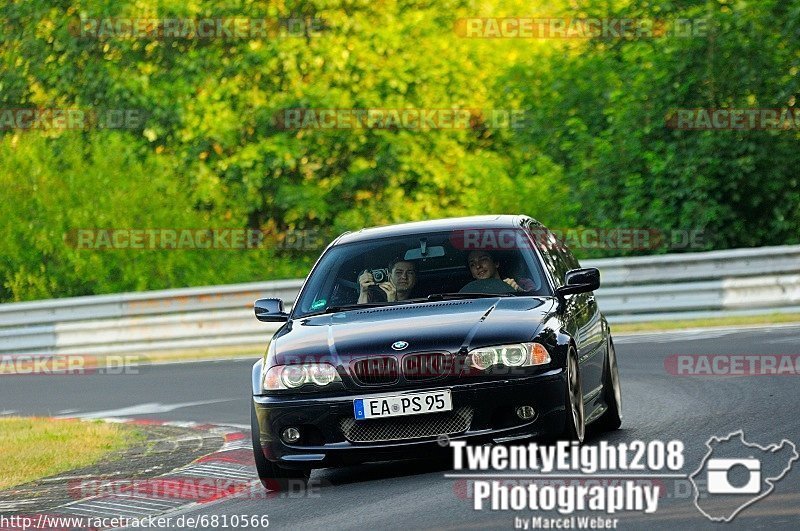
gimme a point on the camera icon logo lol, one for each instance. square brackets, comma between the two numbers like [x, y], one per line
[735, 474]
[718, 480]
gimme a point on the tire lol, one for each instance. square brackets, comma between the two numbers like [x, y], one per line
[575, 419]
[612, 391]
[272, 476]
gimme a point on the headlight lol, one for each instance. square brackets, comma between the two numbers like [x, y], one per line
[294, 376]
[515, 355]
[483, 358]
[322, 374]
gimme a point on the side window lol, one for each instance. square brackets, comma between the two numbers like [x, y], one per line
[567, 256]
[548, 245]
[561, 261]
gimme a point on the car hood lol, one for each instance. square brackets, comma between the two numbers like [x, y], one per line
[435, 326]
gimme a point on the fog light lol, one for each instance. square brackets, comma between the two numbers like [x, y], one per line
[290, 435]
[525, 412]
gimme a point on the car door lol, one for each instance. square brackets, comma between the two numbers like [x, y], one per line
[580, 314]
[590, 331]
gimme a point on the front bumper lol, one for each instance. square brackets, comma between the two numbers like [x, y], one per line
[491, 405]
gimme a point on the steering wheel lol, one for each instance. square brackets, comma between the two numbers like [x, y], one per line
[487, 285]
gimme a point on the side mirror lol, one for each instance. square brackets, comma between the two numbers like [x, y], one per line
[270, 311]
[579, 281]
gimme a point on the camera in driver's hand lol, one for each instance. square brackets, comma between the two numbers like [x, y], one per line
[374, 292]
[380, 275]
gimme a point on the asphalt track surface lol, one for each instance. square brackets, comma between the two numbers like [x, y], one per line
[415, 494]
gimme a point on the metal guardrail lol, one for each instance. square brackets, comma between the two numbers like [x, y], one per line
[741, 281]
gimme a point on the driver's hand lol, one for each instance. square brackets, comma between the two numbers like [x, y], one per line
[365, 280]
[391, 291]
[513, 283]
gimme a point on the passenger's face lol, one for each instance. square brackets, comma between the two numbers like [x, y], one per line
[482, 266]
[404, 276]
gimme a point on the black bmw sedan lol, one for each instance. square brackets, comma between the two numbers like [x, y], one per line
[481, 328]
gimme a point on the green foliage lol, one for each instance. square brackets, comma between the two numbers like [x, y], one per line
[55, 187]
[594, 152]
[627, 168]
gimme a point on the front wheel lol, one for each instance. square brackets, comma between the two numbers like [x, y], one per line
[574, 421]
[612, 418]
[272, 476]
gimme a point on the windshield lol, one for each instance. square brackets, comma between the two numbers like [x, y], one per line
[419, 267]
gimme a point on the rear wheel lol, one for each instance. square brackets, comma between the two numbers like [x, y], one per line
[574, 421]
[272, 476]
[612, 418]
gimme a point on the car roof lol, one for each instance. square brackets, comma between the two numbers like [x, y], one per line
[435, 225]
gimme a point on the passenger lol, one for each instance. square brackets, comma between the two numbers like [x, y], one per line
[402, 279]
[484, 267]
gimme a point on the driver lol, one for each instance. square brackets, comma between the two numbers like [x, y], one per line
[483, 266]
[402, 279]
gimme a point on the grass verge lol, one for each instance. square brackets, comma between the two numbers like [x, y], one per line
[743, 320]
[204, 354]
[36, 448]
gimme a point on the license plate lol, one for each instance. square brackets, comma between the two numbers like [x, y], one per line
[401, 405]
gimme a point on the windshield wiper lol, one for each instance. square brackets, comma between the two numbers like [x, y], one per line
[429, 298]
[345, 307]
[454, 296]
